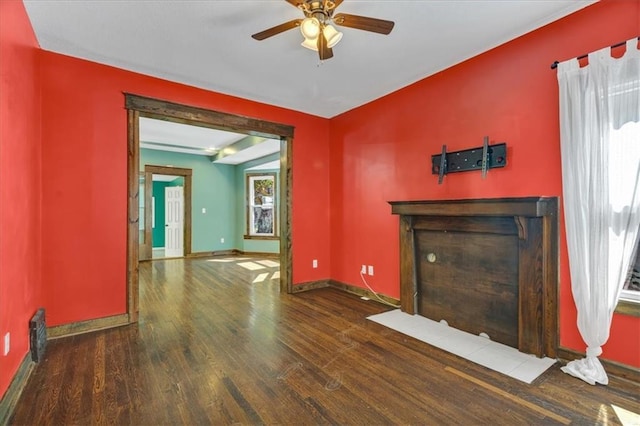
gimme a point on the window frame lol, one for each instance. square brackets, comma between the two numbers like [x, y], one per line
[250, 204]
[629, 302]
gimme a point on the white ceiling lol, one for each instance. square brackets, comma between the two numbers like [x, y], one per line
[264, 148]
[179, 137]
[208, 44]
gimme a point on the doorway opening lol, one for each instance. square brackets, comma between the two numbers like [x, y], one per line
[139, 106]
[173, 222]
[165, 220]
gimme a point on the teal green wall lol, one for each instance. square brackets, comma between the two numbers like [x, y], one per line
[158, 229]
[260, 246]
[213, 188]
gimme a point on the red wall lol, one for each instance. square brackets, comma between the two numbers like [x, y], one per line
[382, 151]
[85, 175]
[20, 283]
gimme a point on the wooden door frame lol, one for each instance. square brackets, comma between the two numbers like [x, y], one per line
[186, 174]
[141, 106]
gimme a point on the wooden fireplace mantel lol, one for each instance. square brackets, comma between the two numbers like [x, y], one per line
[532, 221]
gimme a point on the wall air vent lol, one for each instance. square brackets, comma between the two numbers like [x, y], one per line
[38, 335]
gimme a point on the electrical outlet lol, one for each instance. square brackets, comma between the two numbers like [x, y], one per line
[371, 270]
[204, 210]
[315, 263]
[363, 270]
[7, 343]
[222, 240]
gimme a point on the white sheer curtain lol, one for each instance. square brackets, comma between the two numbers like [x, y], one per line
[600, 145]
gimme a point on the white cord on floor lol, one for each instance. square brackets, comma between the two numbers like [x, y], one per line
[376, 294]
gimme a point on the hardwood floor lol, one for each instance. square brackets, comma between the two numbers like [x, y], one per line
[212, 347]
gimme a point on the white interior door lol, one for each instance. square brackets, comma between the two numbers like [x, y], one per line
[174, 218]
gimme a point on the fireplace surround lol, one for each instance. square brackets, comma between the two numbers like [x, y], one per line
[483, 265]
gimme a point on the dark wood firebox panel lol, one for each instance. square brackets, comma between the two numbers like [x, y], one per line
[488, 265]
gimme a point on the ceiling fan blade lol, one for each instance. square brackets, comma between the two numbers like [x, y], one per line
[277, 29]
[324, 51]
[364, 23]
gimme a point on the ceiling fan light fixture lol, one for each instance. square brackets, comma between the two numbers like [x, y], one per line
[310, 43]
[332, 35]
[318, 25]
[310, 28]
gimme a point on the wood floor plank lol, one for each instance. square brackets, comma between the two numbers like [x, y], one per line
[212, 347]
[546, 413]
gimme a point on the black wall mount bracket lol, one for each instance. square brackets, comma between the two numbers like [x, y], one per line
[482, 158]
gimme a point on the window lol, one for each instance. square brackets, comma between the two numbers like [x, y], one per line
[261, 206]
[632, 287]
[625, 153]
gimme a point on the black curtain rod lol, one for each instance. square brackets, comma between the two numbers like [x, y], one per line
[554, 65]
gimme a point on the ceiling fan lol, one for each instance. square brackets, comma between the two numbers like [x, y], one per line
[316, 26]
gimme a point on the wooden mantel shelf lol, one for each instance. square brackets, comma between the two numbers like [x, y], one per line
[528, 207]
[525, 232]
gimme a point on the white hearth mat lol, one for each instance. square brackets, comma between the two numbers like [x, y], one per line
[481, 350]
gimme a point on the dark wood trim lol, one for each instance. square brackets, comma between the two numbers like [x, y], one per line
[87, 326]
[220, 253]
[188, 213]
[146, 248]
[363, 292]
[286, 214]
[311, 285]
[530, 303]
[234, 252]
[611, 367]
[551, 278]
[166, 170]
[262, 254]
[164, 258]
[260, 237]
[408, 279]
[187, 175]
[217, 253]
[162, 110]
[627, 307]
[536, 221]
[12, 395]
[133, 205]
[138, 106]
